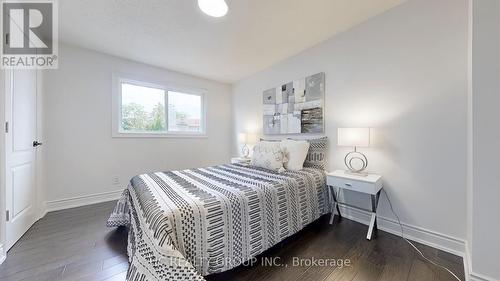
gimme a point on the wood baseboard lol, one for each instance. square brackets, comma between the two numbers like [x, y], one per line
[79, 201]
[427, 237]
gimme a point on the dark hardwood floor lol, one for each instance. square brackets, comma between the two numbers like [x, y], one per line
[76, 245]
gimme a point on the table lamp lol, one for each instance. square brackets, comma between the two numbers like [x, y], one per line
[355, 161]
[246, 139]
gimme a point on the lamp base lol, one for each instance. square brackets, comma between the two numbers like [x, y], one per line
[351, 158]
[359, 174]
[245, 151]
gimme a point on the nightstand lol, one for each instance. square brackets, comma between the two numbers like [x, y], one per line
[241, 160]
[370, 184]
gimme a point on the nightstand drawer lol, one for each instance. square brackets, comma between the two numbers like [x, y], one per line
[354, 185]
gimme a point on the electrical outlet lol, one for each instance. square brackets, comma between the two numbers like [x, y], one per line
[116, 181]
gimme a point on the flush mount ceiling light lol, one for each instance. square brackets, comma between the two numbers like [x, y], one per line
[213, 8]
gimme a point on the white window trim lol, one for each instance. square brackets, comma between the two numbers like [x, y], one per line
[117, 81]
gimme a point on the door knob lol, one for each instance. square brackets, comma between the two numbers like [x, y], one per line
[36, 143]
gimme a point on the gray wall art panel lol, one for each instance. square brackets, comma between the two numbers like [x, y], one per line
[296, 107]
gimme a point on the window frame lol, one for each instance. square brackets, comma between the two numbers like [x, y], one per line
[117, 132]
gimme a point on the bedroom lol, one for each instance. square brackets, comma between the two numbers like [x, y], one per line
[164, 99]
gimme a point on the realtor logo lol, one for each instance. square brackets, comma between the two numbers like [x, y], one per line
[29, 32]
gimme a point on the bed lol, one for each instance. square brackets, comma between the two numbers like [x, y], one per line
[187, 224]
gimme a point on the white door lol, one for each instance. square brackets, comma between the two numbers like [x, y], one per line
[21, 88]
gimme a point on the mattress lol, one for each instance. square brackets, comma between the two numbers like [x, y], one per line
[191, 223]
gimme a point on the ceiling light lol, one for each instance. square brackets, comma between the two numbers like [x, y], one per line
[213, 8]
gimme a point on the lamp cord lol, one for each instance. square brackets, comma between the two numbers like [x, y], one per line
[411, 244]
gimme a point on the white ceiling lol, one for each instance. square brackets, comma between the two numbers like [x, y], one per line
[175, 34]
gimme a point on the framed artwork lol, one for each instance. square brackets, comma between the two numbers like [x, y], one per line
[296, 107]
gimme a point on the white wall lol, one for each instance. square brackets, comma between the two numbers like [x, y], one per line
[403, 73]
[81, 156]
[485, 246]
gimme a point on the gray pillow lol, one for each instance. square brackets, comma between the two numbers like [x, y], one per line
[316, 156]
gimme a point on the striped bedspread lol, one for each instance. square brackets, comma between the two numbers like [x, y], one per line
[187, 224]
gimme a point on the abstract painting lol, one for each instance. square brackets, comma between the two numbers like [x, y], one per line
[295, 107]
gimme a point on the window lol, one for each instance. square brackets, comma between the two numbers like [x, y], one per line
[143, 109]
[184, 112]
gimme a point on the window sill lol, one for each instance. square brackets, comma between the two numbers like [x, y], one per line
[159, 135]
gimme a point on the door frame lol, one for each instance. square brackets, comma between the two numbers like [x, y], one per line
[39, 175]
[3, 230]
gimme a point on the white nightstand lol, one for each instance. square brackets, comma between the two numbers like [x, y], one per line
[241, 160]
[370, 184]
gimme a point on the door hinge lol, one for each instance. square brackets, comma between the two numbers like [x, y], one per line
[6, 127]
[7, 38]
[7, 215]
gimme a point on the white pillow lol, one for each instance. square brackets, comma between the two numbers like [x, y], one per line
[269, 155]
[296, 153]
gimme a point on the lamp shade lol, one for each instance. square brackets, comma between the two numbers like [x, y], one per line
[252, 139]
[247, 138]
[359, 137]
[242, 138]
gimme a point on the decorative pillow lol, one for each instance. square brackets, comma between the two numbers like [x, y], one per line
[296, 152]
[316, 156]
[269, 155]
